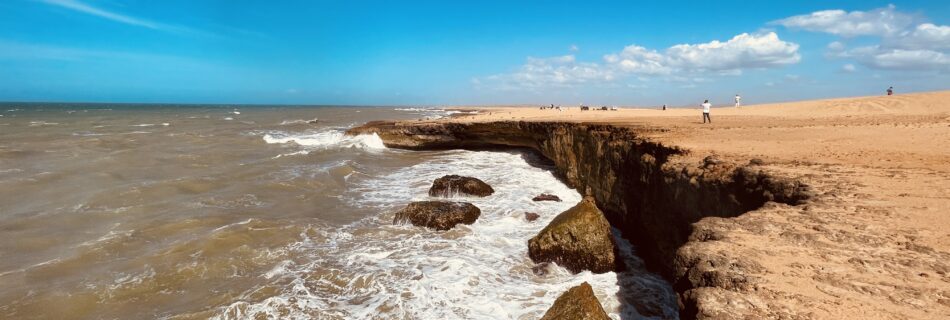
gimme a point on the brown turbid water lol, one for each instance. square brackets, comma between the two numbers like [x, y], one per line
[257, 212]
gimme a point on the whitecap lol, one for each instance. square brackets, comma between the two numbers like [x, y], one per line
[326, 139]
[299, 121]
[374, 269]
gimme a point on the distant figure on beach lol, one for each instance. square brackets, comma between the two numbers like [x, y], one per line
[738, 100]
[890, 91]
[706, 106]
[664, 107]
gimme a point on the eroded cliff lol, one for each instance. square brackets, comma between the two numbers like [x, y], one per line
[650, 191]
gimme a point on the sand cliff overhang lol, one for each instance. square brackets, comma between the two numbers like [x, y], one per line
[648, 190]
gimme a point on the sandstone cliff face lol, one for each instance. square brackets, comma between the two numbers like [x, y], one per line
[643, 187]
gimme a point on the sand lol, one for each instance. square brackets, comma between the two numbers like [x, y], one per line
[875, 243]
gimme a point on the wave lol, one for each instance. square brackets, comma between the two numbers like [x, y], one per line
[374, 269]
[42, 123]
[299, 121]
[326, 139]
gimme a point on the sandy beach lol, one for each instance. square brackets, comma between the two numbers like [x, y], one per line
[873, 243]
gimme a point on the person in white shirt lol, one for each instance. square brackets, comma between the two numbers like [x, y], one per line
[706, 106]
[738, 100]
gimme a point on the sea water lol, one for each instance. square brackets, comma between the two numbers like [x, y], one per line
[269, 212]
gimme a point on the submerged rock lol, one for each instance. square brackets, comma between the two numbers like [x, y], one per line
[546, 197]
[447, 185]
[439, 215]
[577, 303]
[531, 216]
[577, 239]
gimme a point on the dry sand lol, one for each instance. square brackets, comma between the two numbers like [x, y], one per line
[875, 243]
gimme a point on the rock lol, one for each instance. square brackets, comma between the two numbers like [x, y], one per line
[577, 303]
[757, 162]
[448, 185]
[540, 269]
[546, 197]
[439, 215]
[577, 239]
[711, 160]
[531, 216]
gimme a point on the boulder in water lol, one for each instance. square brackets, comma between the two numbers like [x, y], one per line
[577, 239]
[576, 303]
[439, 215]
[546, 197]
[447, 185]
[531, 216]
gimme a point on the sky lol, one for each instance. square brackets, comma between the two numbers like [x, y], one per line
[468, 52]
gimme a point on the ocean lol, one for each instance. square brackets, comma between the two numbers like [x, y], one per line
[269, 212]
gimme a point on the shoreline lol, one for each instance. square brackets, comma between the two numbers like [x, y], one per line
[837, 216]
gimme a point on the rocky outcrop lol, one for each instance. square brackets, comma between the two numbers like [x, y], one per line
[577, 239]
[439, 215]
[652, 192]
[577, 303]
[449, 185]
[546, 197]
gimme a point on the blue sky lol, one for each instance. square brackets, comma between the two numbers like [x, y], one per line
[477, 52]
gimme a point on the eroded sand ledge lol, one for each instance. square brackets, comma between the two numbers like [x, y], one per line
[792, 238]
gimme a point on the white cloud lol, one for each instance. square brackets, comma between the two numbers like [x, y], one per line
[717, 58]
[909, 59]
[848, 68]
[904, 44]
[836, 46]
[924, 36]
[639, 60]
[574, 48]
[898, 59]
[741, 52]
[82, 7]
[879, 22]
[562, 71]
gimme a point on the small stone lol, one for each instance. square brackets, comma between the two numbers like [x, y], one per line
[546, 197]
[757, 162]
[531, 216]
[448, 185]
[711, 160]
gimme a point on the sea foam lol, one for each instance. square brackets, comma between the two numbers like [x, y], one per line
[326, 139]
[373, 269]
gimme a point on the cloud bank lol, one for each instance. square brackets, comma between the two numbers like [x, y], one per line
[743, 51]
[905, 43]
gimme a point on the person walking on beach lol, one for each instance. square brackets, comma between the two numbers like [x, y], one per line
[738, 100]
[706, 106]
[890, 91]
